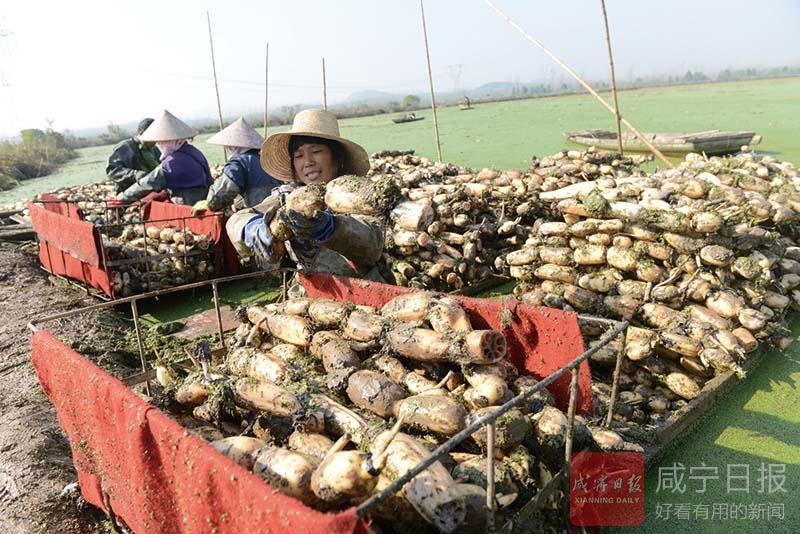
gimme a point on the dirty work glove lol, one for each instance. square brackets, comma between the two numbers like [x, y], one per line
[318, 228]
[200, 206]
[258, 238]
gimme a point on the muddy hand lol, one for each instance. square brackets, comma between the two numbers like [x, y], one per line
[258, 238]
[318, 228]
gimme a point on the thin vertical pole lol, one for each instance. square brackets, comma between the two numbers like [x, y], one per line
[613, 78]
[573, 403]
[219, 314]
[490, 489]
[216, 84]
[615, 380]
[585, 85]
[430, 83]
[138, 328]
[324, 87]
[266, 92]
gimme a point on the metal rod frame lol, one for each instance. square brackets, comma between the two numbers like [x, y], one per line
[138, 327]
[615, 381]
[488, 420]
[482, 421]
[219, 313]
[33, 325]
[217, 251]
[490, 490]
[573, 403]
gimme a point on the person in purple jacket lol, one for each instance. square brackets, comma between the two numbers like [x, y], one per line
[183, 172]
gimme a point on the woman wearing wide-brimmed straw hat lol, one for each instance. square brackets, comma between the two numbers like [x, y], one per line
[312, 152]
[183, 172]
[242, 174]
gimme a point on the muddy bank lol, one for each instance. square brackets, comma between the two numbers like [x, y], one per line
[35, 458]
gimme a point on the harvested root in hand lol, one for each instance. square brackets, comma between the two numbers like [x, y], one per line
[364, 196]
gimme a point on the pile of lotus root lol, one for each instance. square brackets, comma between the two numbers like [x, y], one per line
[330, 402]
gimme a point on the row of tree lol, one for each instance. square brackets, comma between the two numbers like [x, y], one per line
[41, 150]
[37, 154]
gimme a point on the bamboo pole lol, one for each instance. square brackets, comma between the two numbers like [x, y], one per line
[585, 85]
[613, 78]
[216, 84]
[266, 92]
[324, 87]
[430, 84]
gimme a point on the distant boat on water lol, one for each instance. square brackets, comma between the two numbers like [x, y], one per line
[710, 142]
[406, 118]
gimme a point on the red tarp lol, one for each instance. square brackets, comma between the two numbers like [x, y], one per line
[75, 237]
[59, 262]
[159, 478]
[69, 246]
[540, 340]
[56, 205]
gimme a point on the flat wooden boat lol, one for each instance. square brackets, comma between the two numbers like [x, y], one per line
[401, 120]
[710, 142]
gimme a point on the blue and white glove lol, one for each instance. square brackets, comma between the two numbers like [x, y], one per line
[258, 238]
[318, 229]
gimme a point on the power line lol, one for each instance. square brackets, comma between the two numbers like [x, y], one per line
[4, 32]
[277, 84]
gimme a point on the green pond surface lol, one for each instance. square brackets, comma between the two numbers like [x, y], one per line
[750, 443]
[507, 134]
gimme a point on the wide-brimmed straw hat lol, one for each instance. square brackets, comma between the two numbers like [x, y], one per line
[167, 127]
[277, 161]
[238, 134]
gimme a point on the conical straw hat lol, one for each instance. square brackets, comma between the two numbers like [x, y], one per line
[167, 127]
[275, 157]
[238, 134]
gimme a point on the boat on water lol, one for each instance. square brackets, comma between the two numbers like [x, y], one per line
[710, 142]
[401, 120]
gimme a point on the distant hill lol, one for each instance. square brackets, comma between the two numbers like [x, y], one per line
[371, 97]
[488, 90]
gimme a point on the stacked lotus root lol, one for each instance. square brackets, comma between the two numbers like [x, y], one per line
[703, 258]
[92, 199]
[453, 222]
[330, 402]
[164, 257]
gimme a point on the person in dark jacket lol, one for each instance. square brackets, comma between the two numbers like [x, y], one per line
[183, 173]
[242, 175]
[132, 159]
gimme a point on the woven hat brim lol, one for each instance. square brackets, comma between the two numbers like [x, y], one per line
[276, 160]
[167, 132]
[237, 136]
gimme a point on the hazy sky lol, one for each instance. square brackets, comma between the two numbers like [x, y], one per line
[86, 63]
